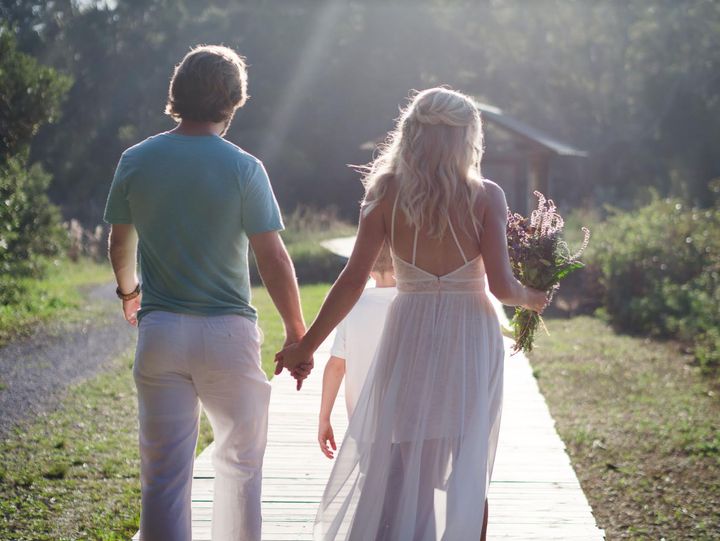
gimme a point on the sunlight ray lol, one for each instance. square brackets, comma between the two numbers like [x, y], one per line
[306, 67]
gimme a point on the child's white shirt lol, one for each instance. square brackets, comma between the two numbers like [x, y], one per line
[357, 338]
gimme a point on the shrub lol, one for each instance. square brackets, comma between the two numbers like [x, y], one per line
[660, 271]
[304, 229]
[580, 292]
[306, 224]
[30, 93]
[313, 264]
[30, 226]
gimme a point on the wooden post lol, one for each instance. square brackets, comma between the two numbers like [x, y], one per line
[520, 184]
[538, 168]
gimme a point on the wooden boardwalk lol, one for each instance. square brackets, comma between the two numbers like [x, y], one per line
[534, 494]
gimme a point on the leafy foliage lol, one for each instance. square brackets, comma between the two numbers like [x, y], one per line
[30, 228]
[305, 228]
[634, 83]
[30, 96]
[660, 268]
[540, 258]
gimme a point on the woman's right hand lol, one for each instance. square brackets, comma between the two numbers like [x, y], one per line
[536, 300]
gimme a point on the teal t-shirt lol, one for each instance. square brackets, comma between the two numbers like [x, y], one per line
[193, 200]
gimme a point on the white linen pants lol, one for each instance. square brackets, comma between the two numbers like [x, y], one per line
[182, 360]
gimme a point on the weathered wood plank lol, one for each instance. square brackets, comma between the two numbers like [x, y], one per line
[534, 495]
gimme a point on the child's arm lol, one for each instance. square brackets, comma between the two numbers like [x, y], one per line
[332, 378]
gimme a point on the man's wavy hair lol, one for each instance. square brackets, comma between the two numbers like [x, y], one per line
[209, 85]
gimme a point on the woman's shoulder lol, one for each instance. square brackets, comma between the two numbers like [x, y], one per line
[490, 192]
[489, 187]
[491, 197]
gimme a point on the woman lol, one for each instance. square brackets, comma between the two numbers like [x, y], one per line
[195, 200]
[418, 455]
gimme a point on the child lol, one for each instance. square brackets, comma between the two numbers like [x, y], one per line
[352, 352]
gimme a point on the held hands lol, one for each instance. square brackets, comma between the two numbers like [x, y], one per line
[325, 437]
[296, 359]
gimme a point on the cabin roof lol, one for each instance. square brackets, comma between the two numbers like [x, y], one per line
[516, 128]
[495, 115]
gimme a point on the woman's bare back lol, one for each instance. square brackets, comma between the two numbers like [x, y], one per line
[436, 256]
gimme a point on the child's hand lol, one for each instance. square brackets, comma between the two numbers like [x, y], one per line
[325, 436]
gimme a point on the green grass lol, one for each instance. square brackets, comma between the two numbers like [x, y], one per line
[55, 297]
[312, 297]
[313, 263]
[73, 474]
[641, 426]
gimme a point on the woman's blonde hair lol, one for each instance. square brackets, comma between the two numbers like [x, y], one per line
[434, 154]
[208, 85]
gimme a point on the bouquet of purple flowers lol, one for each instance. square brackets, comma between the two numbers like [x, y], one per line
[540, 258]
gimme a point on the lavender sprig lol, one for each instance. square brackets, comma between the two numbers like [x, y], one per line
[540, 259]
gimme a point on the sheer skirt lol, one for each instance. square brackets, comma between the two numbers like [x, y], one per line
[417, 458]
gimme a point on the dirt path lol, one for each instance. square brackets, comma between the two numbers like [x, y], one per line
[36, 370]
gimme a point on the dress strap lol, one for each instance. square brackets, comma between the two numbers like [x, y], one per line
[392, 221]
[457, 243]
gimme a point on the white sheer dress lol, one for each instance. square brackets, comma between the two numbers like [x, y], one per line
[417, 458]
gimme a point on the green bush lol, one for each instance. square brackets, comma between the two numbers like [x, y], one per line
[304, 229]
[30, 94]
[307, 224]
[660, 271]
[313, 264]
[30, 229]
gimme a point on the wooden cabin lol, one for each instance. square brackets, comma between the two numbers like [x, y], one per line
[519, 157]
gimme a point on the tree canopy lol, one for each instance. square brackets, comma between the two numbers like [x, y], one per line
[634, 83]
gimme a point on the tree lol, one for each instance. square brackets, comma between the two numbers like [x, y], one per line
[30, 230]
[633, 83]
[30, 96]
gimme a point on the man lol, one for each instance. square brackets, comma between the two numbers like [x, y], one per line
[194, 201]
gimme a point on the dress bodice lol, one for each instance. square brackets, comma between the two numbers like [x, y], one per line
[469, 277]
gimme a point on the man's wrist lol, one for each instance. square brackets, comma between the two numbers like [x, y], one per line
[128, 295]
